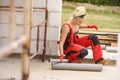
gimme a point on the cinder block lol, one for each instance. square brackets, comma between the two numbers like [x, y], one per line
[42, 33]
[4, 17]
[55, 5]
[36, 3]
[52, 48]
[4, 30]
[4, 2]
[19, 2]
[53, 34]
[38, 17]
[33, 47]
[39, 3]
[34, 33]
[4, 42]
[54, 19]
[19, 31]
[19, 18]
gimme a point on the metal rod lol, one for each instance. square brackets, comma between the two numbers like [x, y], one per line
[25, 54]
[35, 54]
[12, 19]
[38, 38]
[37, 42]
[45, 33]
[34, 26]
[6, 51]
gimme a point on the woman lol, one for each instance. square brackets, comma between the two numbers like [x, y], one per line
[74, 48]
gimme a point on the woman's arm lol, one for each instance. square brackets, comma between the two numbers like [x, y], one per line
[65, 31]
[82, 26]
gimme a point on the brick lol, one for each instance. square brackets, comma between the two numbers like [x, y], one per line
[4, 17]
[55, 5]
[4, 3]
[52, 48]
[53, 34]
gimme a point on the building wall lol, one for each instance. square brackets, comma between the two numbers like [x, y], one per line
[53, 28]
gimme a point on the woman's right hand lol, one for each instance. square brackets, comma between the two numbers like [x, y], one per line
[61, 57]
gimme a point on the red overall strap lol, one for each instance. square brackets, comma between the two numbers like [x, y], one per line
[71, 35]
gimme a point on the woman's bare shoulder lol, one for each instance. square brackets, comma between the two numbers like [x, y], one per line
[65, 28]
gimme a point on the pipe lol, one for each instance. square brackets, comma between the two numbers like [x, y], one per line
[58, 60]
[76, 67]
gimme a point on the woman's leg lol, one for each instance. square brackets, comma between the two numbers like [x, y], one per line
[93, 41]
[75, 53]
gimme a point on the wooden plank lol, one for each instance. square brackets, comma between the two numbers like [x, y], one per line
[25, 54]
[12, 20]
[104, 37]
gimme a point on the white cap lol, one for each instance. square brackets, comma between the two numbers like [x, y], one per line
[79, 11]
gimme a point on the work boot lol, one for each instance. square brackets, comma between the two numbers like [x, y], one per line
[104, 61]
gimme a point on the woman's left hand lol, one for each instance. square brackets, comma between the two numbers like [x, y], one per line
[92, 26]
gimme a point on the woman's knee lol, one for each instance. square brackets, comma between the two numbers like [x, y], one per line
[94, 39]
[83, 53]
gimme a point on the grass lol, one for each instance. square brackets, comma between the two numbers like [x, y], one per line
[102, 18]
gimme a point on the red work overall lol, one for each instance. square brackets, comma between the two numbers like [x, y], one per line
[75, 48]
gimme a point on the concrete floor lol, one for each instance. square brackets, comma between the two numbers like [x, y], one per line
[11, 67]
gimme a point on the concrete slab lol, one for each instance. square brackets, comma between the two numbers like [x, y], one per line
[110, 55]
[11, 67]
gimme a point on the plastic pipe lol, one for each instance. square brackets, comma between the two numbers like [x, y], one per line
[56, 65]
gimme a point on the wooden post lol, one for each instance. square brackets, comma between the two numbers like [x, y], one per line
[25, 54]
[31, 22]
[12, 19]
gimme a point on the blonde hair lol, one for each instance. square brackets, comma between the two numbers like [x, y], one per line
[81, 10]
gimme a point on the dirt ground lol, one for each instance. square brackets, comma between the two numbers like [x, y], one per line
[11, 68]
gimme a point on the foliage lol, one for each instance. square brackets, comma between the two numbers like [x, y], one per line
[99, 2]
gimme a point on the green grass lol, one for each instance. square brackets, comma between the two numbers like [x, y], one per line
[103, 19]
